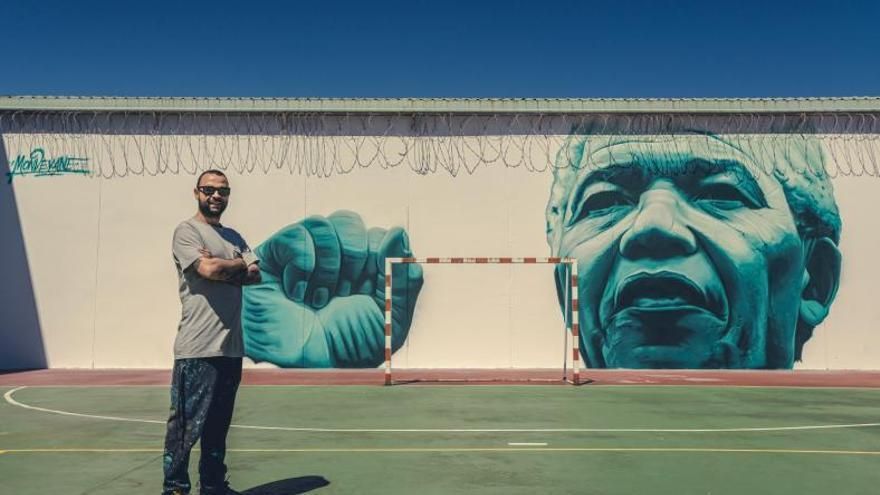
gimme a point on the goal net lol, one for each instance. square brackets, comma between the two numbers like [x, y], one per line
[566, 369]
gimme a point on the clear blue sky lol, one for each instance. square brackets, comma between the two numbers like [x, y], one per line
[442, 48]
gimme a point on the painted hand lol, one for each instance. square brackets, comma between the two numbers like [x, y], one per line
[321, 302]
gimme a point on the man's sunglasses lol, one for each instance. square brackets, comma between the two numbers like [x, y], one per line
[209, 190]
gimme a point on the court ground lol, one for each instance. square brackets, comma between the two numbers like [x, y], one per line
[88, 432]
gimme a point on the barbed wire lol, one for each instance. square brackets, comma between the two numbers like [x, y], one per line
[121, 144]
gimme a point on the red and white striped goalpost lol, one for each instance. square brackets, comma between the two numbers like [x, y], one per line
[572, 325]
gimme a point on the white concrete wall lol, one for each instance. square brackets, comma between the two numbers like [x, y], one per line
[105, 288]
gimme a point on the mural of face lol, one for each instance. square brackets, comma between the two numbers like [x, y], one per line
[690, 256]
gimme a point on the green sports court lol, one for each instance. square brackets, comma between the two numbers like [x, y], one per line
[612, 435]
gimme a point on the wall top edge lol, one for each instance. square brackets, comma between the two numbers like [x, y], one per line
[440, 105]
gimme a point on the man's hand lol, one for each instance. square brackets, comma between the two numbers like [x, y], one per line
[219, 269]
[237, 273]
[321, 302]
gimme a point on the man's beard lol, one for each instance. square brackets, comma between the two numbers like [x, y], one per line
[205, 208]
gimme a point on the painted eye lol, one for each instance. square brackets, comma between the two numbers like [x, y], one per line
[602, 203]
[725, 196]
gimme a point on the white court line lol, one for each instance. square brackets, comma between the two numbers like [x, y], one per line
[8, 396]
[527, 444]
[464, 449]
[622, 385]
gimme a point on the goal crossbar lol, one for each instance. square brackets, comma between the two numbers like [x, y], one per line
[571, 323]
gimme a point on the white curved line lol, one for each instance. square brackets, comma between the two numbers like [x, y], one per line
[8, 397]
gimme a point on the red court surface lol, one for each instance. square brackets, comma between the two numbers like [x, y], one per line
[787, 378]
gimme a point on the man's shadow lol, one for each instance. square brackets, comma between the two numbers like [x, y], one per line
[290, 486]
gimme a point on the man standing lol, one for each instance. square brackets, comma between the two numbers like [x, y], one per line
[213, 262]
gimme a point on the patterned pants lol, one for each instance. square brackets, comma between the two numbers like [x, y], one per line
[202, 398]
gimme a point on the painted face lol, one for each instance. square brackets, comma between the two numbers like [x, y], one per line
[689, 255]
[212, 194]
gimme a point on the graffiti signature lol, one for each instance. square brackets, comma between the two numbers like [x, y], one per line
[38, 165]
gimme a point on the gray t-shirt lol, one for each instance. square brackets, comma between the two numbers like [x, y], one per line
[210, 323]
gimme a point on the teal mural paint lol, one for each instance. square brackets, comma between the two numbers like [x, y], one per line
[321, 302]
[37, 163]
[696, 252]
[693, 252]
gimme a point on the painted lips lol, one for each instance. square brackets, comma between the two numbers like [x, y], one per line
[660, 291]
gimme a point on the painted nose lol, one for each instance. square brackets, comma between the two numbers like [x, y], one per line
[659, 230]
